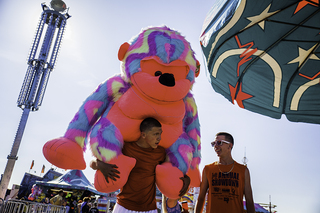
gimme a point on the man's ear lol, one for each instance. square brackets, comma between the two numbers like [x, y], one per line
[123, 50]
[143, 134]
[231, 146]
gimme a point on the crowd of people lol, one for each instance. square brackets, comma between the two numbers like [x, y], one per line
[86, 205]
[72, 204]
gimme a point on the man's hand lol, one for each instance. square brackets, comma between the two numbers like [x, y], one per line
[108, 170]
[185, 186]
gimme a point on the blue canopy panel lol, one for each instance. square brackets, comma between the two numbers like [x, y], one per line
[73, 179]
[265, 55]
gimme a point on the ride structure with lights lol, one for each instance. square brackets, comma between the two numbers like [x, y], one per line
[41, 61]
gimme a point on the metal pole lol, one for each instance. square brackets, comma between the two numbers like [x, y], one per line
[13, 155]
[270, 203]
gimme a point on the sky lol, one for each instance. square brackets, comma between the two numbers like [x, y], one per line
[283, 156]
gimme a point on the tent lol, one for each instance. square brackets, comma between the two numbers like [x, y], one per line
[73, 179]
[257, 207]
[29, 179]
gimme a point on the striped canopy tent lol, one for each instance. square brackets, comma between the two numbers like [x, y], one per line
[73, 179]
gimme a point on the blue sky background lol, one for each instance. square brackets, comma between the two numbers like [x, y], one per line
[283, 156]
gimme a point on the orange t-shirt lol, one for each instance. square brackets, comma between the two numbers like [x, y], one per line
[139, 193]
[225, 190]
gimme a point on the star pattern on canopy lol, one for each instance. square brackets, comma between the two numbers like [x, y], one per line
[303, 54]
[241, 96]
[261, 18]
[304, 3]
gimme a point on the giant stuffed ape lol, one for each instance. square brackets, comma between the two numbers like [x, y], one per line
[158, 69]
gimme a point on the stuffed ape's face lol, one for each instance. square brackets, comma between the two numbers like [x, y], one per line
[160, 64]
[160, 81]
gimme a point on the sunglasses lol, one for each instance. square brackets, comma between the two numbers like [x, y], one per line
[219, 143]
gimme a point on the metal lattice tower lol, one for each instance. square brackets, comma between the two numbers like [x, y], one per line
[41, 61]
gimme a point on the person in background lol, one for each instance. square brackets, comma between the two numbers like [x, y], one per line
[58, 199]
[79, 206]
[170, 205]
[46, 200]
[94, 208]
[85, 205]
[185, 207]
[173, 205]
[65, 204]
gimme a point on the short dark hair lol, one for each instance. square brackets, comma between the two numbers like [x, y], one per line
[148, 123]
[227, 136]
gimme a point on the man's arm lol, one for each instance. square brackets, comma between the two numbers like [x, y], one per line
[164, 204]
[108, 170]
[202, 194]
[248, 192]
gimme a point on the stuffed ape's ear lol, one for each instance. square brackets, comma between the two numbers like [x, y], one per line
[123, 50]
[197, 72]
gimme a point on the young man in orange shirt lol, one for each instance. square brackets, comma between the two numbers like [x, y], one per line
[226, 180]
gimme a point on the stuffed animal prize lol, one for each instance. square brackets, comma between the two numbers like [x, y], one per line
[158, 69]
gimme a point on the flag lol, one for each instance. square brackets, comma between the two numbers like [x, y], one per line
[43, 167]
[32, 164]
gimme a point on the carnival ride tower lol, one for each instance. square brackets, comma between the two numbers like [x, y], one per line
[41, 61]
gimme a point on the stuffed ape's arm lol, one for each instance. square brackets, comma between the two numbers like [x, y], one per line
[191, 126]
[93, 107]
